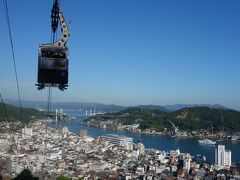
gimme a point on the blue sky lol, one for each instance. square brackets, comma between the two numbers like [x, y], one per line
[131, 51]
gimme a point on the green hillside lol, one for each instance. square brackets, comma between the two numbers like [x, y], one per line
[205, 118]
[14, 114]
[186, 118]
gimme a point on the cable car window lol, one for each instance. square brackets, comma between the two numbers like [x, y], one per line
[56, 54]
[53, 63]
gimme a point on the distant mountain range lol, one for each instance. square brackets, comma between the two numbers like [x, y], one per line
[176, 107]
[108, 107]
[69, 105]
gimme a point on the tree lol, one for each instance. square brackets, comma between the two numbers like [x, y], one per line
[26, 175]
[62, 177]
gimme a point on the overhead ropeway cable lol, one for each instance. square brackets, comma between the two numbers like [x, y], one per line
[13, 56]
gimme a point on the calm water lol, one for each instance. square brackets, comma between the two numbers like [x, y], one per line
[155, 141]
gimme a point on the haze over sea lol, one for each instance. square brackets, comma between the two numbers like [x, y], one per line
[164, 143]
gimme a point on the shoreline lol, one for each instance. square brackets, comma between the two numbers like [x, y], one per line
[100, 131]
[164, 134]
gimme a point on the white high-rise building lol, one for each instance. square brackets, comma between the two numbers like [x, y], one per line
[219, 155]
[56, 117]
[223, 157]
[187, 164]
[141, 148]
[228, 158]
[26, 132]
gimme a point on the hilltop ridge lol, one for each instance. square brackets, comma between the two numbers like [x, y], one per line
[14, 114]
[193, 118]
[108, 107]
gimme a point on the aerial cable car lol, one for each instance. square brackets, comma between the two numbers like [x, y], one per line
[53, 57]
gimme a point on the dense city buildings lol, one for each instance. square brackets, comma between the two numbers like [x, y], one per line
[49, 152]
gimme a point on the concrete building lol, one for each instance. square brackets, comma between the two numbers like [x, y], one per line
[13, 167]
[129, 146]
[54, 154]
[228, 158]
[64, 131]
[26, 133]
[187, 164]
[141, 148]
[4, 145]
[116, 139]
[223, 157]
[83, 133]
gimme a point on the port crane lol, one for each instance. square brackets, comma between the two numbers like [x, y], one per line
[174, 127]
[221, 132]
[53, 57]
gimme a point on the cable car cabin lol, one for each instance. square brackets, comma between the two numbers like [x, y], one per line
[52, 67]
[53, 59]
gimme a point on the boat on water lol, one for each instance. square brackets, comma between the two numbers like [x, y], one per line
[207, 141]
[234, 138]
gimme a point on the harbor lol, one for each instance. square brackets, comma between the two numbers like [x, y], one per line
[162, 142]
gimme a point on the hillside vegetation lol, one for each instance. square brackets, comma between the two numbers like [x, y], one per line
[14, 113]
[186, 118]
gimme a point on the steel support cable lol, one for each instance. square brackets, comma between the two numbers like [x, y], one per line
[13, 56]
[49, 100]
[48, 108]
[54, 26]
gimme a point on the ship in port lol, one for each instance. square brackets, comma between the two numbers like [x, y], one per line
[207, 141]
